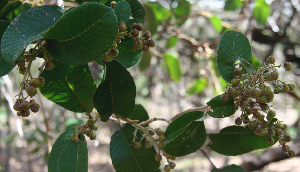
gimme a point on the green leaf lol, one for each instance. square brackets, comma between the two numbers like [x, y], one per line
[160, 12]
[230, 168]
[96, 29]
[188, 140]
[25, 7]
[73, 121]
[19, 34]
[67, 155]
[237, 140]
[183, 9]
[232, 46]
[5, 66]
[145, 60]
[233, 4]
[221, 108]
[116, 93]
[261, 12]
[151, 23]
[172, 41]
[122, 11]
[248, 66]
[139, 113]
[197, 87]
[69, 86]
[11, 10]
[173, 66]
[217, 23]
[126, 158]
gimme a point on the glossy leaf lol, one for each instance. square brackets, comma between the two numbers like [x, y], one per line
[172, 41]
[67, 155]
[197, 86]
[247, 66]
[237, 140]
[96, 29]
[116, 93]
[145, 60]
[5, 66]
[261, 12]
[183, 9]
[217, 23]
[173, 66]
[19, 34]
[188, 140]
[220, 108]
[11, 10]
[139, 113]
[233, 4]
[69, 86]
[232, 46]
[230, 168]
[126, 158]
[122, 11]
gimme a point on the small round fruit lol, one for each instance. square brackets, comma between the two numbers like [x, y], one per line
[291, 86]
[279, 125]
[277, 90]
[137, 145]
[238, 121]
[260, 131]
[167, 168]
[287, 138]
[35, 82]
[21, 64]
[271, 114]
[271, 133]
[265, 124]
[285, 148]
[35, 107]
[95, 127]
[285, 89]
[139, 26]
[288, 66]
[271, 59]
[134, 33]
[145, 48]
[25, 105]
[278, 132]
[237, 72]
[151, 43]
[147, 35]
[225, 97]
[247, 92]
[263, 99]
[148, 145]
[252, 125]
[151, 132]
[49, 66]
[260, 116]
[133, 25]
[25, 113]
[160, 145]
[162, 138]
[270, 140]
[273, 76]
[230, 91]
[235, 82]
[264, 106]
[159, 132]
[17, 106]
[284, 127]
[172, 165]
[158, 157]
[114, 52]
[236, 93]
[93, 137]
[22, 71]
[31, 91]
[122, 26]
[42, 81]
[248, 111]
[291, 153]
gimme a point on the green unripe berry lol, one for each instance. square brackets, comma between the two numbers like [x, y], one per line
[93, 137]
[288, 66]
[267, 89]
[284, 127]
[114, 52]
[122, 26]
[271, 59]
[41, 81]
[159, 132]
[279, 125]
[291, 86]
[162, 138]
[273, 76]
[271, 133]
[260, 131]
[31, 91]
[95, 127]
[285, 89]
[237, 72]
[248, 111]
[256, 93]
[236, 93]
[260, 116]
[158, 157]
[292, 153]
[134, 33]
[133, 25]
[151, 43]
[278, 132]
[271, 114]
[148, 145]
[270, 140]
[285, 148]
[263, 99]
[90, 122]
[252, 125]
[225, 97]
[35, 82]
[287, 138]
[238, 121]
[235, 82]
[265, 124]
[160, 145]
[269, 94]
[277, 90]
[137, 145]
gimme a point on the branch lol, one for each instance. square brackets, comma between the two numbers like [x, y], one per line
[154, 119]
[191, 110]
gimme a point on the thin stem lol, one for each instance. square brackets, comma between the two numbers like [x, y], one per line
[154, 119]
[204, 153]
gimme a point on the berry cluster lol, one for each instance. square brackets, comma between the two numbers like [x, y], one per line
[158, 138]
[88, 129]
[253, 96]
